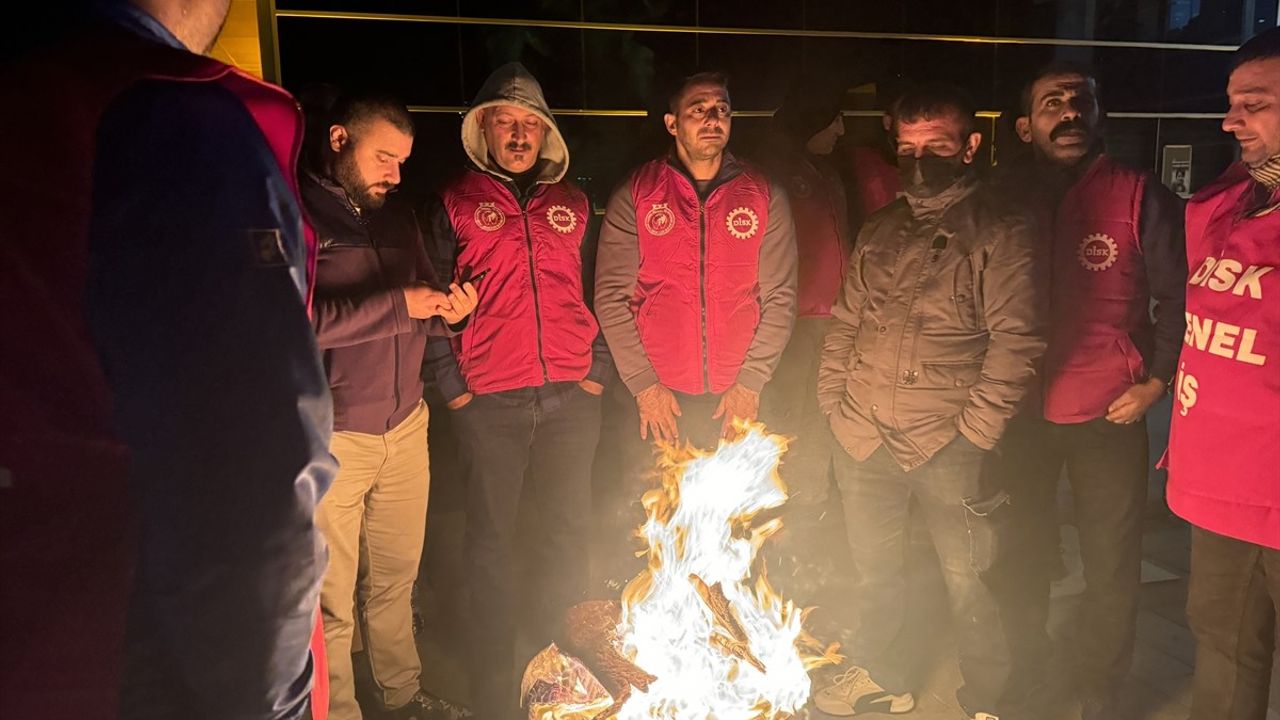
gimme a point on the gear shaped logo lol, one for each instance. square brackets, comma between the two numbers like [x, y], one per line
[1097, 252]
[742, 223]
[563, 219]
[489, 218]
[659, 220]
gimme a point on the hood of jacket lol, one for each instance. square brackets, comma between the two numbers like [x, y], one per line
[512, 84]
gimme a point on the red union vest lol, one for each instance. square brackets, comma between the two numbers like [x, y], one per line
[821, 217]
[1224, 444]
[531, 324]
[1099, 295]
[68, 520]
[696, 301]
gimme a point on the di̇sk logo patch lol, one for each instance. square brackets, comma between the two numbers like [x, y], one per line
[489, 218]
[742, 223]
[659, 220]
[1097, 252]
[563, 219]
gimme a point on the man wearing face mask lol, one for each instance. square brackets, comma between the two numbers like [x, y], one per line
[935, 338]
[523, 381]
[798, 154]
[1112, 237]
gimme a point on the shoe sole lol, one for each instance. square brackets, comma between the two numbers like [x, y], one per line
[883, 705]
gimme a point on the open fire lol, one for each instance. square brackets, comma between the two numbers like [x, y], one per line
[700, 633]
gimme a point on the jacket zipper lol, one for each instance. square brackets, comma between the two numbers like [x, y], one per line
[537, 306]
[395, 339]
[702, 292]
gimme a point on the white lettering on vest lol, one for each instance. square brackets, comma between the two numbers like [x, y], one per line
[1221, 275]
[1187, 386]
[1223, 339]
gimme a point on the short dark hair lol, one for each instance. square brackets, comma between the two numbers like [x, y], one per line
[1263, 46]
[706, 77]
[934, 100]
[356, 107]
[1051, 69]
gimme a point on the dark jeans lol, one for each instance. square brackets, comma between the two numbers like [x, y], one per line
[1232, 603]
[501, 436]
[966, 524]
[1106, 465]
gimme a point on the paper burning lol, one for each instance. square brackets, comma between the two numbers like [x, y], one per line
[700, 633]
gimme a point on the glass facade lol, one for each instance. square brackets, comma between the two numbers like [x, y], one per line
[1162, 64]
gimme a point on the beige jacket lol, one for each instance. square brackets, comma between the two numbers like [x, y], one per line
[938, 329]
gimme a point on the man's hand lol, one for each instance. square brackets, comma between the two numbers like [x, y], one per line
[738, 402]
[462, 300]
[658, 412]
[1133, 403]
[591, 386]
[461, 401]
[424, 302]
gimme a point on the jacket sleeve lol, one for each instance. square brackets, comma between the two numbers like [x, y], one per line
[777, 294]
[1164, 253]
[617, 264]
[846, 317]
[218, 391]
[440, 366]
[341, 321]
[1015, 307]
[601, 359]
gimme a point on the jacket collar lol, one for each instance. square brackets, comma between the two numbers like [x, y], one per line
[932, 209]
[730, 167]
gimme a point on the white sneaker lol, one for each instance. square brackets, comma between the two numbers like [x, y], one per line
[985, 716]
[853, 692]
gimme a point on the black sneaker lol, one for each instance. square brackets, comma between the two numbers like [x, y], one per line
[425, 706]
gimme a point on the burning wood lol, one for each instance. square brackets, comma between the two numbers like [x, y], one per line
[694, 637]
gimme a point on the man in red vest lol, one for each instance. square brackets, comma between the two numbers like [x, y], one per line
[696, 276]
[806, 129]
[1112, 237]
[1224, 446]
[524, 379]
[165, 431]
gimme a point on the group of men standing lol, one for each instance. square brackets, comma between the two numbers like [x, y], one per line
[973, 341]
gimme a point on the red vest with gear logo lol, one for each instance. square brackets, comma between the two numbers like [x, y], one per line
[1099, 295]
[531, 324]
[697, 292]
[1224, 444]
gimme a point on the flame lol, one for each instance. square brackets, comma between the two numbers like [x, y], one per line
[719, 644]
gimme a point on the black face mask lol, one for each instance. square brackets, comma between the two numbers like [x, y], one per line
[928, 176]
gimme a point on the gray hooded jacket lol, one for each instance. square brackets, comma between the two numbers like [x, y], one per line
[510, 84]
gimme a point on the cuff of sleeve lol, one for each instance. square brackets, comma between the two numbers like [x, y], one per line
[462, 325]
[1163, 372]
[967, 429]
[452, 388]
[752, 380]
[643, 381]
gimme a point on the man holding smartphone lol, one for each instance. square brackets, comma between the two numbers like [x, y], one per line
[524, 378]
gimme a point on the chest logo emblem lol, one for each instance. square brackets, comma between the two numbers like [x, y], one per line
[563, 219]
[1097, 252]
[742, 223]
[489, 218]
[659, 220]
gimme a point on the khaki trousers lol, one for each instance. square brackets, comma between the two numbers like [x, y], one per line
[374, 520]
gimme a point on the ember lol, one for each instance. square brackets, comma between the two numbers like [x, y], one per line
[697, 634]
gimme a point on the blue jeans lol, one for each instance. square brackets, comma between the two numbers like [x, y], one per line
[966, 523]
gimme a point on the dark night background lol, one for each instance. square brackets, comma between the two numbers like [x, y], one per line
[443, 64]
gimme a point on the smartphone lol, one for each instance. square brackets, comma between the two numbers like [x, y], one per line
[475, 279]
